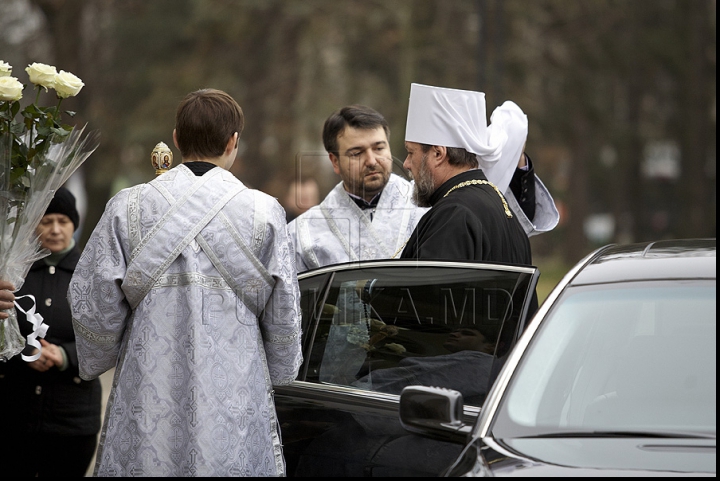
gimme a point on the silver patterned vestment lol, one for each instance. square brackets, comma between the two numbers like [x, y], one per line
[188, 288]
[338, 231]
[546, 213]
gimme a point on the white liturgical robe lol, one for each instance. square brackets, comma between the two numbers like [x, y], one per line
[338, 231]
[187, 287]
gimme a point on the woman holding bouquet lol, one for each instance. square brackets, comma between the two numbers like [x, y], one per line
[51, 417]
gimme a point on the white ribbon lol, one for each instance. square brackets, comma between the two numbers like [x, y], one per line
[39, 328]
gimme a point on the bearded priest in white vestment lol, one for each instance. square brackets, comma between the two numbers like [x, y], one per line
[370, 214]
[187, 287]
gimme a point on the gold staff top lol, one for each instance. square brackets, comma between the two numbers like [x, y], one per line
[161, 158]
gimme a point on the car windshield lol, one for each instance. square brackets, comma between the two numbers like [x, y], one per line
[622, 358]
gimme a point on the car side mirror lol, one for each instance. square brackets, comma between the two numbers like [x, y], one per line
[434, 412]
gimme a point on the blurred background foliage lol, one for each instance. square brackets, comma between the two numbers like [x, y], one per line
[620, 94]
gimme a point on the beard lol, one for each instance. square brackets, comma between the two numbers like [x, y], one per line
[424, 185]
[360, 185]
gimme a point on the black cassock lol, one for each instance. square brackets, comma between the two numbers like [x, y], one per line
[468, 222]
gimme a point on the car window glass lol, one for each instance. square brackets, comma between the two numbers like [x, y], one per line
[382, 329]
[310, 298]
[638, 356]
[311, 292]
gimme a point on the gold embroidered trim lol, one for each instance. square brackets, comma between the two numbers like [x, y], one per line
[508, 213]
[400, 249]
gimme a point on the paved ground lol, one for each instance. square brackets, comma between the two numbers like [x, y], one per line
[106, 381]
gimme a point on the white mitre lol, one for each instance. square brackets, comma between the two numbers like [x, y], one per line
[457, 118]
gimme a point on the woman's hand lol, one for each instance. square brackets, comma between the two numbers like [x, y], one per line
[6, 298]
[49, 357]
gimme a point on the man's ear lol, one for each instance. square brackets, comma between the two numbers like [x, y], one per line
[335, 162]
[175, 139]
[232, 143]
[439, 154]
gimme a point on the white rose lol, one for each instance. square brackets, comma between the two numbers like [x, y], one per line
[5, 69]
[42, 75]
[10, 89]
[67, 85]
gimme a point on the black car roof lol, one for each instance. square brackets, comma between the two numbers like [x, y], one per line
[667, 259]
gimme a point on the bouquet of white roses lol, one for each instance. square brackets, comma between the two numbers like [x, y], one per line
[38, 153]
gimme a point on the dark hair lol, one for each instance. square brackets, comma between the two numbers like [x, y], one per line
[205, 121]
[456, 156]
[355, 116]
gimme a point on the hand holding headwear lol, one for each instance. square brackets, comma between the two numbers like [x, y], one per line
[457, 118]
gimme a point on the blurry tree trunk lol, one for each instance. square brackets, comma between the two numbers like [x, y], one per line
[271, 62]
[406, 75]
[491, 72]
[64, 21]
[576, 242]
[65, 26]
[107, 111]
[633, 207]
[482, 52]
[697, 81]
[628, 206]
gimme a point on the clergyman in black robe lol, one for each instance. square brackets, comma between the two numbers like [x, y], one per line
[449, 148]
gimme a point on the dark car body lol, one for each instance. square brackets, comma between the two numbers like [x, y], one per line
[370, 329]
[614, 376]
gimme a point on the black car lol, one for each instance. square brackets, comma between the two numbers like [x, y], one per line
[614, 376]
[372, 328]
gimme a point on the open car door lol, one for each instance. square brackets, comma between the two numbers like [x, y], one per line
[372, 328]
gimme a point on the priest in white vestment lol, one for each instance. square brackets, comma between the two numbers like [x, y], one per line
[187, 287]
[370, 214]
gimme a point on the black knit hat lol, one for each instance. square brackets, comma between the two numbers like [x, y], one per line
[64, 203]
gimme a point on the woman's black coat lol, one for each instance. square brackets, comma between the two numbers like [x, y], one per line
[53, 402]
